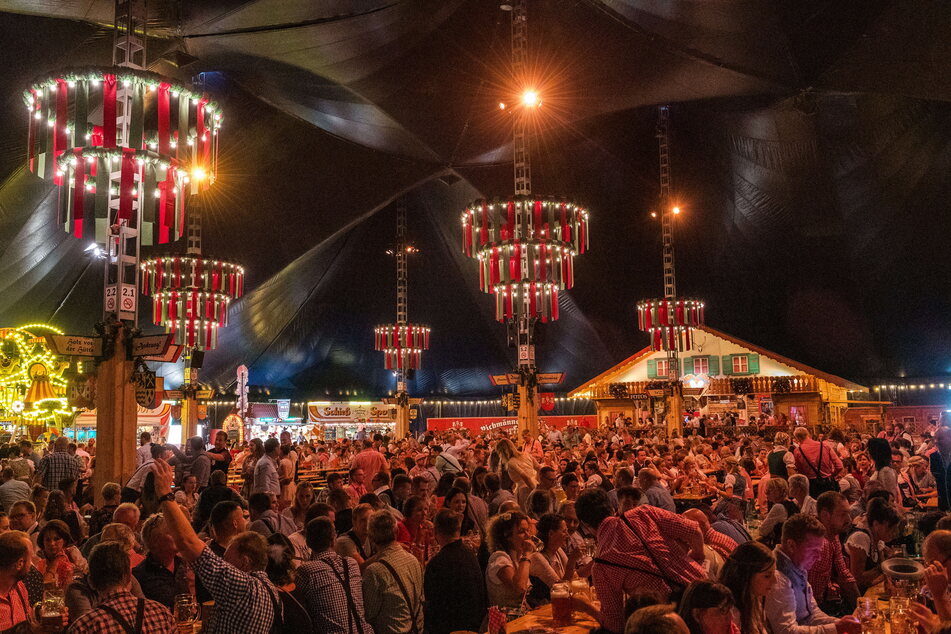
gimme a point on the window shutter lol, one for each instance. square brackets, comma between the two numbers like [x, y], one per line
[753, 361]
[652, 368]
[714, 365]
[728, 364]
[688, 365]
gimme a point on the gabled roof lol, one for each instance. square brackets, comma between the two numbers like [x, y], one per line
[610, 374]
[808, 369]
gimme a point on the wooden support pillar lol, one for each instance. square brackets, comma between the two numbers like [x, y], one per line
[674, 413]
[189, 417]
[527, 409]
[402, 421]
[116, 418]
[403, 407]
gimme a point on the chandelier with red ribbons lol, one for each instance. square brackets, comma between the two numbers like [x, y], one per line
[526, 247]
[670, 322]
[120, 140]
[191, 295]
[402, 344]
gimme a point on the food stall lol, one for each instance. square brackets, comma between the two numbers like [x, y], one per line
[351, 419]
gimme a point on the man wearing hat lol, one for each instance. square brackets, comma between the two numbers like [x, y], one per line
[424, 468]
[920, 480]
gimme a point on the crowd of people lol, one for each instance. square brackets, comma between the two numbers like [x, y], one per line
[728, 531]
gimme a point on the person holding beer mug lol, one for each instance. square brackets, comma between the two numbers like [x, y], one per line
[16, 614]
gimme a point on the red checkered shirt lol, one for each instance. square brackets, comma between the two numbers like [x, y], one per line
[14, 606]
[829, 567]
[645, 559]
[722, 544]
[156, 619]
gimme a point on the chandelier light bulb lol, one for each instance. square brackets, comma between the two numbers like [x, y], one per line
[530, 99]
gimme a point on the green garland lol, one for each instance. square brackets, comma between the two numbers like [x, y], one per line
[66, 159]
[123, 74]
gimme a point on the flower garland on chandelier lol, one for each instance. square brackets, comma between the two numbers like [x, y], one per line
[670, 322]
[526, 248]
[172, 132]
[402, 344]
[191, 295]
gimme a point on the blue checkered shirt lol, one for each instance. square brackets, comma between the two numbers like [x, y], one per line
[244, 602]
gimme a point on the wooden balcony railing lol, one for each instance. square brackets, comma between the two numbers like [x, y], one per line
[724, 386]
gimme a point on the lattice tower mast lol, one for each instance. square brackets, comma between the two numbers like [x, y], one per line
[523, 173]
[121, 281]
[667, 224]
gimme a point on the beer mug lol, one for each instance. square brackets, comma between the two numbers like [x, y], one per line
[51, 608]
[560, 604]
[186, 613]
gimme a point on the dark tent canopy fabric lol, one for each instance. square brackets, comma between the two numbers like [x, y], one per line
[810, 154]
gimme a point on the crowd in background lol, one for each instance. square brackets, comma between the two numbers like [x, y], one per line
[714, 530]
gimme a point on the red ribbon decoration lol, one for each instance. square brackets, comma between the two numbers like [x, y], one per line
[163, 211]
[164, 141]
[59, 130]
[109, 111]
[79, 194]
[126, 184]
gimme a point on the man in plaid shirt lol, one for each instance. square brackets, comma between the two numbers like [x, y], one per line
[119, 611]
[245, 599]
[331, 585]
[58, 466]
[645, 550]
[832, 581]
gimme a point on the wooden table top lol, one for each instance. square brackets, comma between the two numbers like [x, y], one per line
[540, 620]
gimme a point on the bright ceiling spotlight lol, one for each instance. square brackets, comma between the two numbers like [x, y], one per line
[199, 173]
[676, 210]
[530, 99]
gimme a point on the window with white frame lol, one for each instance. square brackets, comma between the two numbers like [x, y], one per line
[701, 365]
[663, 368]
[741, 364]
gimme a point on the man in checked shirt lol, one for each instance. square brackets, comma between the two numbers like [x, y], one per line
[245, 599]
[645, 550]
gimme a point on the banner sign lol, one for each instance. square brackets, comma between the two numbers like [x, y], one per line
[342, 412]
[482, 424]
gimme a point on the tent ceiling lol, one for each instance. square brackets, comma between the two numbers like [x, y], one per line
[811, 143]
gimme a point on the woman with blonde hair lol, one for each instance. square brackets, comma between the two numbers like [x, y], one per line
[780, 508]
[116, 532]
[303, 498]
[520, 468]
